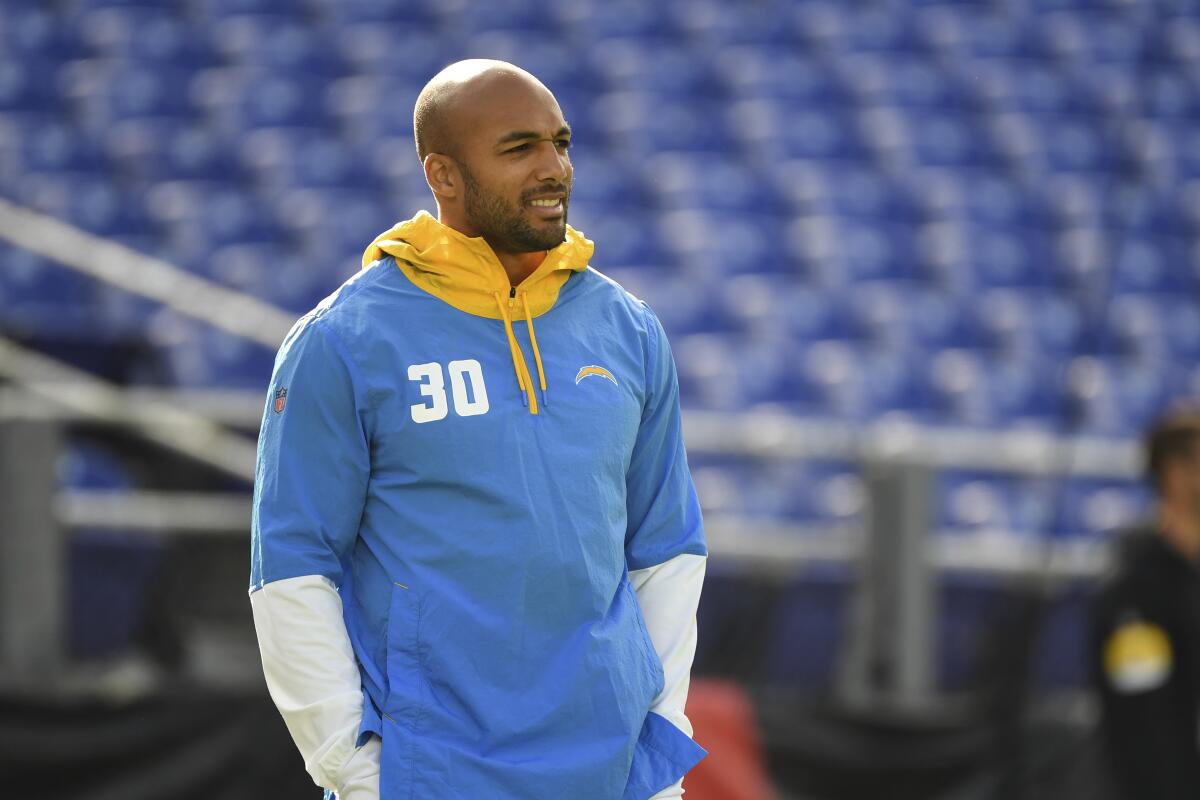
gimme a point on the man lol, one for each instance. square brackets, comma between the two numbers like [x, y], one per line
[477, 550]
[1146, 630]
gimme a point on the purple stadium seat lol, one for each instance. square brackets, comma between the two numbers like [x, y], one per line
[32, 30]
[149, 35]
[664, 67]
[1029, 321]
[779, 74]
[276, 44]
[641, 123]
[301, 158]
[719, 26]
[23, 86]
[555, 62]
[598, 20]
[712, 182]
[237, 100]
[1099, 508]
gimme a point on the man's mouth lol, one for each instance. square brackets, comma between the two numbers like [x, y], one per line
[547, 207]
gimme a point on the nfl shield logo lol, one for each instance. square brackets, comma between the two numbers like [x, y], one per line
[280, 399]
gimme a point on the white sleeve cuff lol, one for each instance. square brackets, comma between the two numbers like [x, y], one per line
[360, 775]
[311, 672]
[671, 792]
[668, 595]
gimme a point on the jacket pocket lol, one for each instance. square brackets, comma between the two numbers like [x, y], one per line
[405, 704]
[406, 688]
[657, 678]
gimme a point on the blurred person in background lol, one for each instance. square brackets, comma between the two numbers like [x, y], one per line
[468, 584]
[1146, 629]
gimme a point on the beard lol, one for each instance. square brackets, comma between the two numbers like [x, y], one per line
[504, 226]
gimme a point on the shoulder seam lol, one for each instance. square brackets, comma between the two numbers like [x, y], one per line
[652, 346]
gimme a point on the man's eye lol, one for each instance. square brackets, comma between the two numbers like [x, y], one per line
[519, 148]
[563, 144]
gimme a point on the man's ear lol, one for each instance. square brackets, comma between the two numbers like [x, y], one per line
[442, 175]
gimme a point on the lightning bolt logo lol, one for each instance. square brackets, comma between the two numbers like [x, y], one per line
[592, 369]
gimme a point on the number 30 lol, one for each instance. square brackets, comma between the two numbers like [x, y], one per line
[433, 387]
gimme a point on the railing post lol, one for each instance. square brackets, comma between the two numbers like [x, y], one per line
[889, 656]
[32, 558]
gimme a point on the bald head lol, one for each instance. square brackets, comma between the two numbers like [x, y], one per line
[493, 144]
[445, 102]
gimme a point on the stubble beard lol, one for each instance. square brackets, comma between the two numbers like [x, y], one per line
[505, 228]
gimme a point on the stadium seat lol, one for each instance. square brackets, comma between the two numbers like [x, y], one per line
[556, 63]
[713, 183]
[23, 86]
[106, 92]
[780, 132]
[951, 140]
[198, 355]
[275, 44]
[717, 245]
[211, 214]
[1094, 508]
[718, 26]
[1111, 398]
[1074, 144]
[972, 502]
[1148, 264]
[39, 296]
[32, 30]
[236, 100]
[625, 235]
[214, 9]
[600, 20]
[663, 67]
[87, 200]
[975, 388]
[778, 74]
[158, 36]
[276, 158]
[641, 124]
[52, 144]
[603, 179]
[525, 17]
[408, 54]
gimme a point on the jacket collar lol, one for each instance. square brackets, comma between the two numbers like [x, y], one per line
[464, 270]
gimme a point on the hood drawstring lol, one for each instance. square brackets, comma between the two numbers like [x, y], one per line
[524, 379]
[537, 356]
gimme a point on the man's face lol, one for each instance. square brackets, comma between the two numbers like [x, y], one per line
[516, 171]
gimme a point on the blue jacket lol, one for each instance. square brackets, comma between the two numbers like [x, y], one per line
[480, 517]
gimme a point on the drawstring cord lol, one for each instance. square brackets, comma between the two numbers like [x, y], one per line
[537, 355]
[528, 397]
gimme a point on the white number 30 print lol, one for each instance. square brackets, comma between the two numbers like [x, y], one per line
[433, 388]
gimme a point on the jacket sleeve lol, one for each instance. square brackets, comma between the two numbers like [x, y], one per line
[313, 679]
[664, 546]
[310, 485]
[668, 595]
[663, 513]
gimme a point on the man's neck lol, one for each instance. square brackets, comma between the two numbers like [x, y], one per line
[1181, 530]
[520, 266]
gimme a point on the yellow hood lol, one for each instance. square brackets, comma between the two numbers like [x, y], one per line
[464, 272]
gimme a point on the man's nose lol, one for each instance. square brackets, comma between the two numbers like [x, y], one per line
[553, 164]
